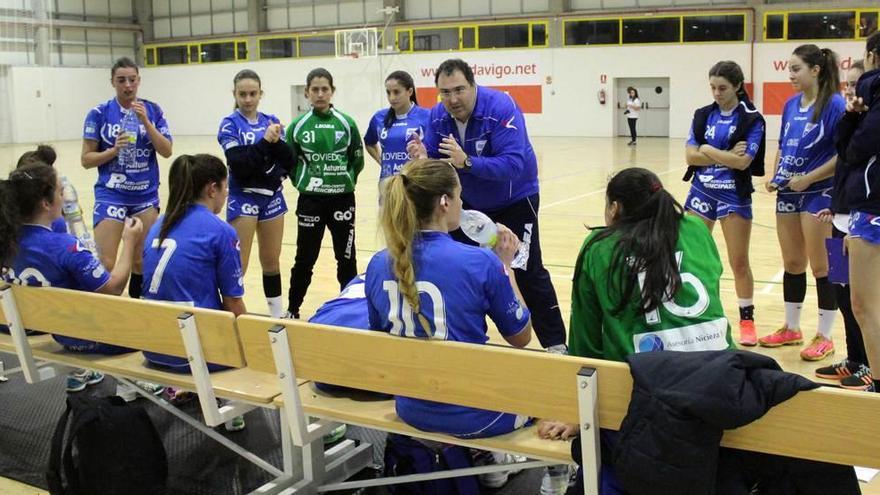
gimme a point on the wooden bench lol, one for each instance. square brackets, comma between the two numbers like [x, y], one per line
[530, 383]
[202, 336]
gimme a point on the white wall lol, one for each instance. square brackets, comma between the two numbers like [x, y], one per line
[196, 97]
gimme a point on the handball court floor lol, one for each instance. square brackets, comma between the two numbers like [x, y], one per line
[572, 173]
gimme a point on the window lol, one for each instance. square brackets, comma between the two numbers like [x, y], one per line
[425, 40]
[168, 55]
[278, 48]
[504, 36]
[603, 32]
[867, 24]
[714, 28]
[241, 51]
[218, 52]
[821, 25]
[403, 40]
[194, 53]
[539, 34]
[469, 37]
[150, 56]
[652, 30]
[774, 27]
[317, 46]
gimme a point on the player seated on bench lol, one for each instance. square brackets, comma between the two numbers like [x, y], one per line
[191, 256]
[32, 254]
[426, 285]
[624, 277]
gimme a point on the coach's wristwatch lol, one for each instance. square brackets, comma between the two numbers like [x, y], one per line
[467, 163]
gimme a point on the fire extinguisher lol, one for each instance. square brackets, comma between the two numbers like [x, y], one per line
[601, 96]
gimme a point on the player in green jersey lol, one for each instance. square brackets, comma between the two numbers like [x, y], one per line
[649, 281]
[329, 157]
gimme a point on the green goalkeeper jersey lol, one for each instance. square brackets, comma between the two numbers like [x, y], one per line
[328, 150]
[692, 321]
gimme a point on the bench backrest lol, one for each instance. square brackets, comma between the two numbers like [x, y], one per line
[122, 321]
[543, 386]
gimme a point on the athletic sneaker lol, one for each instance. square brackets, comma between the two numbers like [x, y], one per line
[495, 479]
[838, 370]
[80, 379]
[819, 349]
[747, 335]
[335, 434]
[290, 315]
[783, 336]
[556, 479]
[177, 396]
[150, 387]
[235, 424]
[558, 349]
[862, 379]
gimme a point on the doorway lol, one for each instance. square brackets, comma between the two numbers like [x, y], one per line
[654, 115]
[299, 104]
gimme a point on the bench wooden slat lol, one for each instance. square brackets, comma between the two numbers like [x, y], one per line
[813, 425]
[380, 415]
[137, 324]
[238, 384]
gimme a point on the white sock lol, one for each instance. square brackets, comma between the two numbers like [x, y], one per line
[793, 315]
[826, 322]
[276, 307]
[745, 303]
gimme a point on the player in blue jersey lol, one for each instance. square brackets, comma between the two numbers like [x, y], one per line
[43, 154]
[861, 154]
[391, 128]
[724, 140]
[482, 133]
[122, 193]
[191, 256]
[427, 285]
[802, 178]
[259, 160]
[32, 254]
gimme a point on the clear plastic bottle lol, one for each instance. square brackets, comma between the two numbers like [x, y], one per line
[73, 216]
[482, 230]
[128, 154]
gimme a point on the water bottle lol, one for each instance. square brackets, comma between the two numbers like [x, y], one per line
[482, 230]
[72, 212]
[128, 154]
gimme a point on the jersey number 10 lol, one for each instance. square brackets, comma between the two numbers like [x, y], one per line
[400, 311]
[692, 311]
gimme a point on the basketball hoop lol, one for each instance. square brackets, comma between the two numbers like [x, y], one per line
[357, 43]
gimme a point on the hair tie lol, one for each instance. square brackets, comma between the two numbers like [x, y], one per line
[656, 186]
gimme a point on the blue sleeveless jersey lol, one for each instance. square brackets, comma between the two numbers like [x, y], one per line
[718, 181]
[804, 145]
[393, 139]
[138, 184]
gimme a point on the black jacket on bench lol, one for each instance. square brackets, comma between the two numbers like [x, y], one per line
[683, 401]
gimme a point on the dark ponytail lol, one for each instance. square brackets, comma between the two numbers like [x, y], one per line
[647, 233]
[20, 196]
[405, 80]
[829, 74]
[187, 179]
[43, 154]
[731, 71]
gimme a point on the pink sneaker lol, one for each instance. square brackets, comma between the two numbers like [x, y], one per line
[783, 336]
[747, 335]
[819, 349]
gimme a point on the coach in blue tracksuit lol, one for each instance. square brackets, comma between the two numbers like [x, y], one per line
[483, 134]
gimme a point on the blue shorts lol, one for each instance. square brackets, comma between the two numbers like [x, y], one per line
[259, 206]
[89, 347]
[864, 226]
[807, 202]
[458, 421]
[119, 212]
[712, 209]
